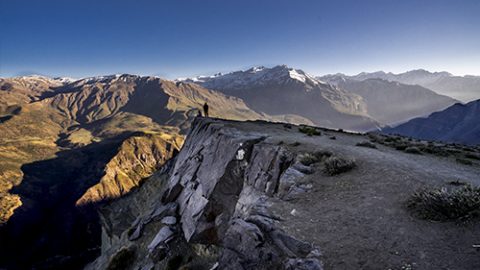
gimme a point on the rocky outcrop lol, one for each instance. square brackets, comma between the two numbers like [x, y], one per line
[210, 208]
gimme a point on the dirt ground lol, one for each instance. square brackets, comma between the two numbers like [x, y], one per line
[359, 220]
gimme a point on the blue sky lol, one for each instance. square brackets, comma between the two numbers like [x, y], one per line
[179, 38]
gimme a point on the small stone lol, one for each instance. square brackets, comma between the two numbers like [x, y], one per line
[169, 220]
[214, 267]
[162, 236]
[240, 154]
[294, 212]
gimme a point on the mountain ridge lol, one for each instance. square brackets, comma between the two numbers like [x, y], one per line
[393, 102]
[458, 123]
[464, 88]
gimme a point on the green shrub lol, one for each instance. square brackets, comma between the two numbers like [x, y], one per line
[310, 131]
[336, 165]
[366, 144]
[446, 204]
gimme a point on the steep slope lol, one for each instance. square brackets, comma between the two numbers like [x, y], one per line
[459, 123]
[464, 88]
[257, 195]
[284, 90]
[393, 102]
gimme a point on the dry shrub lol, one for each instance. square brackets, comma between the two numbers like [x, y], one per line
[366, 144]
[413, 150]
[444, 204]
[336, 165]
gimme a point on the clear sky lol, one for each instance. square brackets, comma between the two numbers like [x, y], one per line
[180, 38]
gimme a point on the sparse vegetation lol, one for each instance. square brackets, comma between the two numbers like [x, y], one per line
[336, 165]
[366, 144]
[464, 161]
[444, 204]
[473, 156]
[322, 154]
[413, 150]
[309, 131]
[122, 259]
[308, 159]
[435, 150]
[401, 146]
[457, 183]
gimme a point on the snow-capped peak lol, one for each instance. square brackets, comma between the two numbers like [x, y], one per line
[258, 75]
[65, 80]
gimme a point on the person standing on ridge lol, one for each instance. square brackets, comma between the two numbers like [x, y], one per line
[205, 109]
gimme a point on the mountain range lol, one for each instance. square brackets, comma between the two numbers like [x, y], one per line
[459, 123]
[392, 102]
[463, 88]
[281, 89]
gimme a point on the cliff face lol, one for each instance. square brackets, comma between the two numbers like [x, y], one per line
[210, 208]
[258, 195]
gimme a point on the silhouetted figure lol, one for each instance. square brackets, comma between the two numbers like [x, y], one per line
[205, 109]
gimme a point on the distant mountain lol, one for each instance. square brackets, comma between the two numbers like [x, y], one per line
[284, 90]
[21, 90]
[393, 102]
[463, 88]
[459, 123]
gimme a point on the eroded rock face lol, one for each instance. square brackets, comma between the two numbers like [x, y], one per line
[217, 194]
